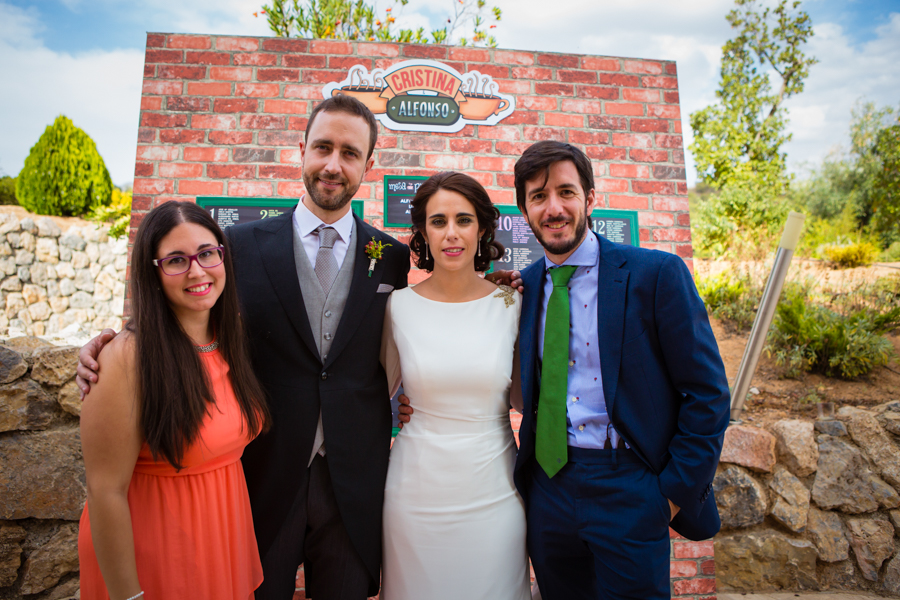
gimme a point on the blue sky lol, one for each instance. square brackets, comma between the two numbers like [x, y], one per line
[84, 58]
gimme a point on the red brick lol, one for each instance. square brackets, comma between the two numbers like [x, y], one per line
[536, 103]
[686, 587]
[180, 72]
[257, 90]
[380, 50]
[576, 76]
[620, 80]
[453, 162]
[149, 71]
[629, 202]
[330, 47]
[194, 42]
[213, 122]
[249, 188]
[280, 138]
[165, 88]
[513, 86]
[605, 153]
[606, 184]
[674, 205]
[386, 141]
[235, 105]
[691, 549]
[682, 568]
[163, 120]
[304, 61]
[310, 76]
[629, 170]
[418, 51]
[499, 132]
[563, 120]
[644, 235]
[166, 153]
[677, 126]
[470, 146]
[164, 56]
[309, 92]
[600, 64]
[684, 219]
[230, 137]
[643, 66]
[279, 172]
[151, 103]
[649, 155]
[146, 136]
[181, 136]
[582, 106]
[432, 144]
[179, 170]
[502, 196]
[208, 58]
[639, 95]
[515, 148]
[285, 45]
[139, 203]
[650, 125]
[291, 189]
[297, 123]
[536, 73]
[237, 44]
[554, 89]
[668, 172]
[398, 159]
[504, 57]
[187, 104]
[634, 110]
[208, 89]
[231, 171]
[671, 69]
[386, 63]
[156, 40]
[601, 122]
[589, 138]
[485, 179]
[597, 92]
[669, 141]
[493, 163]
[633, 140]
[663, 111]
[279, 74]
[707, 567]
[558, 60]
[474, 55]
[687, 251]
[231, 73]
[671, 97]
[254, 155]
[154, 186]
[520, 117]
[294, 107]
[378, 174]
[190, 187]
[495, 71]
[206, 154]
[143, 169]
[345, 62]
[669, 83]
[653, 187]
[656, 219]
[505, 180]
[544, 133]
[256, 59]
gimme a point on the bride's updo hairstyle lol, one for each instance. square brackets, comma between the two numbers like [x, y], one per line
[485, 211]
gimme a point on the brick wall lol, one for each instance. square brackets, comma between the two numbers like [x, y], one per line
[222, 116]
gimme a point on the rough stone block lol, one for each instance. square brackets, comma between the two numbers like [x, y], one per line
[838, 576]
[24, 405]
[868, 434]
[10, 553]
[51, 561]
[844, 480]
[47, 250]
[795, 445]
[73, 241]
[740, 498]
[12, 365]
[764, 560]
[791, 507]
[69, 398]
[749, 447]
[873, 543]
[55, 365]
[891, 583]
[827, 533]
[48, 228]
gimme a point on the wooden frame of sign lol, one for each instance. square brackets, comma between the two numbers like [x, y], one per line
[399, 191]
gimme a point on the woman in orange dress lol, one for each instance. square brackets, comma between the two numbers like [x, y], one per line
[167, 515]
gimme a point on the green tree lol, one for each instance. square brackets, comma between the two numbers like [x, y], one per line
[886, 185]
[8, 190]
[358, 20]
[738, 141]
[63, 174]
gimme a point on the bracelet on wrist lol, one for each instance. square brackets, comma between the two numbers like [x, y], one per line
[136, 596]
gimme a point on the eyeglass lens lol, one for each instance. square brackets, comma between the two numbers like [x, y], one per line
[207, 259]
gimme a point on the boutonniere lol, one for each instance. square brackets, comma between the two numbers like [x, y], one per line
[375, 251]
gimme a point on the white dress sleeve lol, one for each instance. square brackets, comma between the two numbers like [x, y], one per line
[390, 356]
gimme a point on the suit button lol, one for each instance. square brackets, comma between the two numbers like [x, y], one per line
[327, 313]
[324, 375]
[327, 336]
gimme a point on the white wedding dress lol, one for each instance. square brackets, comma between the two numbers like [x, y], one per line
[454, 525]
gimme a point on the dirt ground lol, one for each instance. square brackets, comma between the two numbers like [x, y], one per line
[779, 397]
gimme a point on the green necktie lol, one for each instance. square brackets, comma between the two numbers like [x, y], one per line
[551, 447]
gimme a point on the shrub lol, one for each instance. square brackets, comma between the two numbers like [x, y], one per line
[892, 253]
[844, 339]
[733, 299]
[848, 256]
[8, 190]
[118, 213]
[63, 174]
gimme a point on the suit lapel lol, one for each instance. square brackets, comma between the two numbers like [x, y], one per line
[611, 293]
[533, 281]
[275, 239]
[362, 290]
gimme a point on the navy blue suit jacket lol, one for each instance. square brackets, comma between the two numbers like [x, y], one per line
[663, 378]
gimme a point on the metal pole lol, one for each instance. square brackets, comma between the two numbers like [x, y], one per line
[765, 313]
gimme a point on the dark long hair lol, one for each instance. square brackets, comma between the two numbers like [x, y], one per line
[174, 390]
[485, 211]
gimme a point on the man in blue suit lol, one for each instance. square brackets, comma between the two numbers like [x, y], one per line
[633, 414]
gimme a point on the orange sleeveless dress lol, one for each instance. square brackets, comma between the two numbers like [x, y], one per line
[193, 530]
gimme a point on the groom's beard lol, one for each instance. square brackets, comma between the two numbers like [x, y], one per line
[324, 201]
[563, 246]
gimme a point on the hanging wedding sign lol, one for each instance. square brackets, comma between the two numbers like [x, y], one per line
[424, 95]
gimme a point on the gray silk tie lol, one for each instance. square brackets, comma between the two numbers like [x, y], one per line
[326, 264]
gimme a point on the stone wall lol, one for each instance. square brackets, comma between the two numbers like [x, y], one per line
[42, 485]
[55, 282]
[811, 505]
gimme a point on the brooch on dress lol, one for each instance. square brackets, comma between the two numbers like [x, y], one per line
[507, 293]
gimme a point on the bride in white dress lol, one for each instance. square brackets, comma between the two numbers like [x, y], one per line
[454, 525]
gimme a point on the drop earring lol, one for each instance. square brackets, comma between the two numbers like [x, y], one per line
[479, 247]
[426, 251]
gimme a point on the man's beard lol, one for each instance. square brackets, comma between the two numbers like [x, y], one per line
[563, 246]
[329, 202]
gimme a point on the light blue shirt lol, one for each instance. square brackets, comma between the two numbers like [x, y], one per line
[586, 415]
